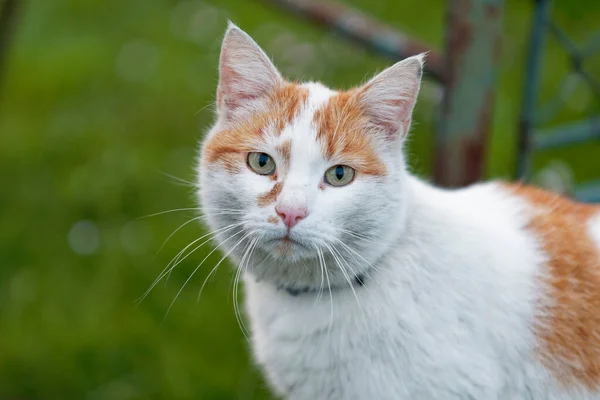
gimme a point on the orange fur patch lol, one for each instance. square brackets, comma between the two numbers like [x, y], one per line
[229, 146]
[273, 219]
[285, 151]
[286, 103]
[570, 328]
[341, 128]
[270, 197]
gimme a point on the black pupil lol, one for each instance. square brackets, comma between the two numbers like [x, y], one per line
[263, 159]
[339, 172]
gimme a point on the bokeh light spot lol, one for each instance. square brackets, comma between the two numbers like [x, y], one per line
[84, 237]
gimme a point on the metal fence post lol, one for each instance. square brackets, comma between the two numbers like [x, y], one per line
[473, 50]
[531, 88]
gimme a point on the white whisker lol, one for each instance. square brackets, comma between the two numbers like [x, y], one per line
[320, 254]
[170, 211]
[177, 230]
[220, 261]
[335, 253]
[198, 267]
[352, 251]
[177, 260]
[180, 180]
[320, 294]
[357, 235]
[242, 268]
[199, 209]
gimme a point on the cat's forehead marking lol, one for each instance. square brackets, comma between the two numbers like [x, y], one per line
[570, 325]
[286, 103]
[342, 128]
[282, 107]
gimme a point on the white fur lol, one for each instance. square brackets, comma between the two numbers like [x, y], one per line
[448, 305]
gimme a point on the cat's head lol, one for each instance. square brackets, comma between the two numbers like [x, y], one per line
[298, 177]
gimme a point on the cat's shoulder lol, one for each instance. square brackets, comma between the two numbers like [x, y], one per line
[562, 224]
[552, 207]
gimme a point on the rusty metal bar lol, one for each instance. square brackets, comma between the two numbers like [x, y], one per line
[367, 31]
[474, 33]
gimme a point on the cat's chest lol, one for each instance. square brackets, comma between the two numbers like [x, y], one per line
[348, 346]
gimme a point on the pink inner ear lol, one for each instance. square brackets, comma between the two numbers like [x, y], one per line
[231, 83]
[403, 113]
[389, 98]
[233, 90]
[391, 116]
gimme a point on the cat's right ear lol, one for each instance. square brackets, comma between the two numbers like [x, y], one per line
[246, 74]
[389, 98]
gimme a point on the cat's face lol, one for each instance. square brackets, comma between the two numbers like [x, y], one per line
[298, 177]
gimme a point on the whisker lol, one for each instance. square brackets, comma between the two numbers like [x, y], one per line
[234, 289]
[177, 230]
[189, 221]
[338, 259]
[352, 253]
[320, 294]
[333, 252]
[180, 180]
[220, 261]
[320, 254]
[237, 310]
[232, 281]
[203, 108]
[198, 267]
[177, 260]
[174, 232]
[357, 235]
[201, 209]
[170, 211]
[222, 209]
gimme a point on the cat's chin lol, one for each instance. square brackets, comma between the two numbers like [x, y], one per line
[288, 249]
[297, 265]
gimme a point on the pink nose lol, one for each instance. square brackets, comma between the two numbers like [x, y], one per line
[291, 215]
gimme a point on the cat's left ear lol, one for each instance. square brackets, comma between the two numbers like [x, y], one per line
[389, 98]
[246, 74]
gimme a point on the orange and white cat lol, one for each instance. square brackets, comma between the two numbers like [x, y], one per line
[365, 282]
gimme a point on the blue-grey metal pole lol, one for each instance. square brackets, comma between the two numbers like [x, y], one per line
[531, 85]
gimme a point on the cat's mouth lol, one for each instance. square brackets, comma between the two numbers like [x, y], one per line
[286, 241]
[287, 244]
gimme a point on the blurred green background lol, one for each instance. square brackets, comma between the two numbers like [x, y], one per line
[102, 103]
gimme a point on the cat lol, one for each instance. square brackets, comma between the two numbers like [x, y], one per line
[363, 281]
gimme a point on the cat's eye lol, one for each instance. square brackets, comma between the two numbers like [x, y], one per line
[261, 163]
[339, 175]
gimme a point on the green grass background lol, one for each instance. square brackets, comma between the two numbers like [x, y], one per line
[102, 100]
